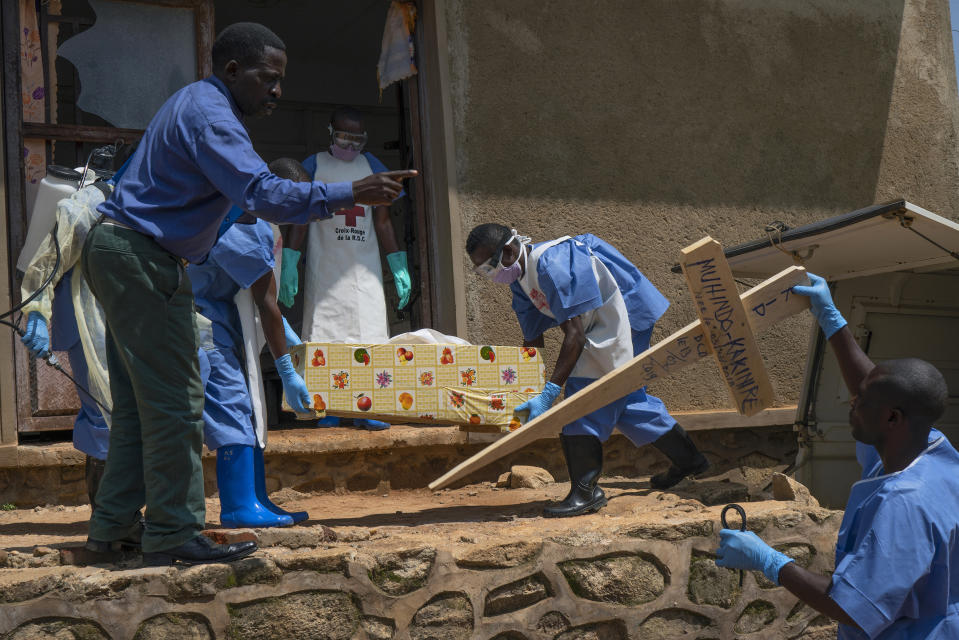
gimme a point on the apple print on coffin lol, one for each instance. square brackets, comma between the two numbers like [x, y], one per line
[364, 402]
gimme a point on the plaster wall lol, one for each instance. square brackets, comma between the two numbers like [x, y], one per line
[653, 124]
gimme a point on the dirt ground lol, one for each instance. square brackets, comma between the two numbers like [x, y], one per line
[473, 510]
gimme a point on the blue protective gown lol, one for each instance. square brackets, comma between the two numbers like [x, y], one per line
[242, 255]
[567, 279]
[897, 544]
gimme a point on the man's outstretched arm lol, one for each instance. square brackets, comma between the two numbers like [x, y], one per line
[854, 364]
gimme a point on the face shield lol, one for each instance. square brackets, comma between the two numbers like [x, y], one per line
[347, 139]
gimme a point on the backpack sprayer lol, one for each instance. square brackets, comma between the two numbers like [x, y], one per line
[61, 176]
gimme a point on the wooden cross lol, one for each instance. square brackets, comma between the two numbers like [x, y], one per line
[726, 326]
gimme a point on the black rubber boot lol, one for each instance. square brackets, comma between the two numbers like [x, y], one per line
[94, 474]
[584, 459]
[676, 445]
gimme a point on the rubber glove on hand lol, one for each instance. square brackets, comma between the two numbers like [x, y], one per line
[297, 395]
[37, 338]
[822, 306]
[541, 403]
[291, 338]
[289, 277]
[746, 550]
[401, 276]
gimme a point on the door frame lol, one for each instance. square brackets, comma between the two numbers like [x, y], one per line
[438, 150]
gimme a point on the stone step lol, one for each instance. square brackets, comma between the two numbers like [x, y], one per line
[404, 457]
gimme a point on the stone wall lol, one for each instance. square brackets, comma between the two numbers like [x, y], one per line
[619, 577]
[394, 459]
[653, 125]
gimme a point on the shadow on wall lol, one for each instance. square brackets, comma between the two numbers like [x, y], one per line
[770, 102]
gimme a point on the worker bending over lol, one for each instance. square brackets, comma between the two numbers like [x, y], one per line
[897, 556]
[607, 310]
[194, 162]
[243, 258]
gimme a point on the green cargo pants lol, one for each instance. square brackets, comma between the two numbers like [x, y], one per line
[157, 420]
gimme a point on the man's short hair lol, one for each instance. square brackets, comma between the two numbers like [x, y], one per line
[913, 386]
[245, 42]
[346, 113]
[489, 235]
[290, 169]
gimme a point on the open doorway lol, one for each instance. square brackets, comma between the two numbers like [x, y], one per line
[332, 54]
[333, 49]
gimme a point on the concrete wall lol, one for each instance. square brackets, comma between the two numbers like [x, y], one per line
[654, 123]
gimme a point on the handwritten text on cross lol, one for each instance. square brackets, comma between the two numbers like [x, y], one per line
[727, 330]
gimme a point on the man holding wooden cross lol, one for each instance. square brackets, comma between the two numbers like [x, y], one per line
[607, 310]
[897, 548]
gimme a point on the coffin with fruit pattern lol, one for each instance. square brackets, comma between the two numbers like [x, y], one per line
[476, 386]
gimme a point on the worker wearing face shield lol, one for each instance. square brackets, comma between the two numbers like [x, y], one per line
[606, 309]
[344, 299]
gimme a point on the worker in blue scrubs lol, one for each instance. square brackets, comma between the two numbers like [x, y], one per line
[897, 555]
[195, 161]
[606, 309]
[242, 258]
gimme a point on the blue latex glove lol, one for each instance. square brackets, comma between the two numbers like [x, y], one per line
[297, 395]
[401, 276]
[541, 403]
[746, 550]
[289, 277]
[37, 337]
[291, 338]
[820, 301]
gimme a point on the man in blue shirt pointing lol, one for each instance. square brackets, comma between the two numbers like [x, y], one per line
[194, 163]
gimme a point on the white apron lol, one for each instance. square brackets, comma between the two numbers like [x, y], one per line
[343, 297]
[253, 341]
[609, 340]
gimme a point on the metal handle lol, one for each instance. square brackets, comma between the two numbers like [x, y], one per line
[742, 526]
[739, 510]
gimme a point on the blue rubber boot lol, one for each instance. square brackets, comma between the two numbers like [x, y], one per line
[235, 480]
[370, 425]
[328, 421]
[259, 470]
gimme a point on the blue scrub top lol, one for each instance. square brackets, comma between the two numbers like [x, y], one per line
[242, 255]
[194, 162]
[566, 277]
[897, 543]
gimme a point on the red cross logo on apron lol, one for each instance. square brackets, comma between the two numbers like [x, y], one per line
[350, 215]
